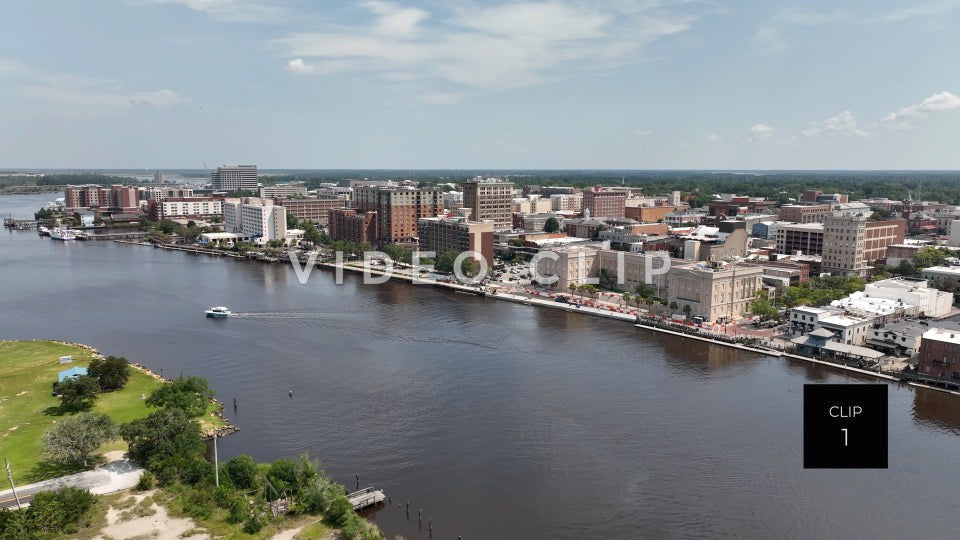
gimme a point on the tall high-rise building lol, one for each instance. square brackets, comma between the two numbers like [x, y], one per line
[234, 178]
[852, 243]
[489, 200]
[256, 218]
[398, 209]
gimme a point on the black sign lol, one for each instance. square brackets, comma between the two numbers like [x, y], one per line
[845, 426]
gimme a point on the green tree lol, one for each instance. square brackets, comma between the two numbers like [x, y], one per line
[762, 307]
[51, 514]
[74, 439]
[445, 261]
[292, 221]
[686, 310]
[166, 442]
[111, 372]
[929, 256]
[190, 394]
[645, 293]
[551, 225]
[243, 472]
[607, 280]
[78, 393]
[674, 306]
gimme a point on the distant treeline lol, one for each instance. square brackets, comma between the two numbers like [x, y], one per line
[64, 179]
[782, 186]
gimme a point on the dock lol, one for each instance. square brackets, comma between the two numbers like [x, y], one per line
[130, 235]
[20, 224]
[366, 497]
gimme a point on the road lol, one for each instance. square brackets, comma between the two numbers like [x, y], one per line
[109, 478]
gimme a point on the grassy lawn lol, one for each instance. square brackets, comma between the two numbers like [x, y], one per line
[27, 408]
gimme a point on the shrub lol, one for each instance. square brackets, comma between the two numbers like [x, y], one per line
[50, 513]
[253, 524]
[190, 394]
[243, 471]
[166, 442]
[339, 511]
[146, 481]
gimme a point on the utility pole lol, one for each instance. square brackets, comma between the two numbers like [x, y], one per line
[216, 462]
[12, 488]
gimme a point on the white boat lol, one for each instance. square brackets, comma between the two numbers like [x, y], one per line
[219, 312]
[58, 233]
[43, 231]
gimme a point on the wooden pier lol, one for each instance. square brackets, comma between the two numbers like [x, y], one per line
[20, 224]
[113, 236]
[366, 497]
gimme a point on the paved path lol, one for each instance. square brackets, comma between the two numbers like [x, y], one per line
[109, 478]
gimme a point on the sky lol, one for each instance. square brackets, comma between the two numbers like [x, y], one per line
[555, 84]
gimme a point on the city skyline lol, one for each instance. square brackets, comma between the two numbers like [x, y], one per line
[531, 85]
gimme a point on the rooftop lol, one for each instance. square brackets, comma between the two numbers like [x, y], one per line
[943, 334]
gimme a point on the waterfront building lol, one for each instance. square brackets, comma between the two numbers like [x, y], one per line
[202, 208]
[940, 353]
[352, 226]
[315, 209]
[714, 292]
[291, 189]
[489, 199]
[116, 198]
[398, 210]
[600, 202]
[445, 234]
[257, 218]
[234, 178]
[846, 328]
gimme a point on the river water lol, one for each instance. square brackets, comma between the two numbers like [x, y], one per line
[498, 420]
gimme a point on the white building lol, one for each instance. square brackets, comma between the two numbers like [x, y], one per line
[234, 177]
[291, 189]
[189, 208]
[566, 201]
[954, 233]
[930, 301]
[257, 218]
[847, 329]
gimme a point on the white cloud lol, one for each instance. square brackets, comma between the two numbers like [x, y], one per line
[298, 67]
[795, 15]
[928, 9]
[842, 124]
[393, 20]
[760, 132]
[714, 138]
[944, 101]
[642, 133]
[226, 10]
[490, 47]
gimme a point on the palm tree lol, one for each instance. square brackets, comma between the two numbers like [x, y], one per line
[645, 292]
[687, 309]
[626, 298]
[674, 306]
[573, 287]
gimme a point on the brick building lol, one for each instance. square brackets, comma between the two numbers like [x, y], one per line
[116, 198]
[604, 203]
[444, 234]
[352, 226]
[399, 210]
[314, 209]
[940, 353]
